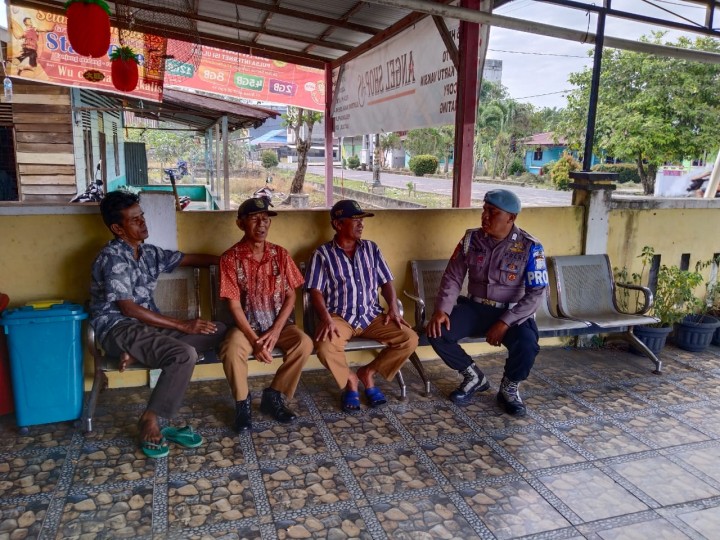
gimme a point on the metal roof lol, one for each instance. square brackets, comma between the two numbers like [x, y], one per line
[202, 112]
[317, 32]
[306, 32]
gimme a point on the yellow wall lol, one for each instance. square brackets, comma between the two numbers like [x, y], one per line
[50, 256]
[671, 232]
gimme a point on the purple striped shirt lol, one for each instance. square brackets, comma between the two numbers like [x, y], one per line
[349, 286]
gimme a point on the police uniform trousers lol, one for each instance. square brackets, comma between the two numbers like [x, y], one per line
[400, 344]
[469, 318]
[296, 346]
[172, 351]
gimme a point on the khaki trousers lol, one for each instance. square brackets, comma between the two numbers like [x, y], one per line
[400, 344]
[236, 349]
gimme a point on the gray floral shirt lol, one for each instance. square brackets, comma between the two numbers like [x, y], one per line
[116, 275]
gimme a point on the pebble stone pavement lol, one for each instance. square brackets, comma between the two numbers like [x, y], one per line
[607, 451]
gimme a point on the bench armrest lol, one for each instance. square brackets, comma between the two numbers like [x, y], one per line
[647, 297]
[419, 310]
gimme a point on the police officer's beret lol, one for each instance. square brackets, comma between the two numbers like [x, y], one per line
[504, 199]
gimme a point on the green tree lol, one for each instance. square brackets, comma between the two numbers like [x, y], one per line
[167, 146]
[388, 142]
[651, 109]
[302, 123]
[424, 141]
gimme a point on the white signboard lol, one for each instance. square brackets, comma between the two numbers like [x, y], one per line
[407, 82]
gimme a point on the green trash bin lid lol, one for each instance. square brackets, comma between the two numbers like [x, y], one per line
[55, 313]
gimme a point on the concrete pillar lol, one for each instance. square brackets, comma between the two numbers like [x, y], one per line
[593, 191]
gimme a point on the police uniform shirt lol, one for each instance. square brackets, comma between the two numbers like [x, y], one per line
[512, 270]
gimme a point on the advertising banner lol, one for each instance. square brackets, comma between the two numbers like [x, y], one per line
[405, 83]
[39, 50]
[251, 77]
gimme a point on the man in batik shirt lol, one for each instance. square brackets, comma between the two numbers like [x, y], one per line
[258, 279]
[128, 324]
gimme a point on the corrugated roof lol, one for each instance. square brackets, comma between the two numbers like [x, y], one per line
[546, 138]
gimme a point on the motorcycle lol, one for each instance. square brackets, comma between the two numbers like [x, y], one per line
[94, 192]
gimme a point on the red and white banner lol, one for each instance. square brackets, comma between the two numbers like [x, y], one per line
[406, 82]
[251, 77]
[39, 50]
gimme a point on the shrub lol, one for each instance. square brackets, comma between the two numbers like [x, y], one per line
[545, 169]
[627, 171]
[353, 162]
[423, 164]
[269, 159]
[516, 167]
[560, 172]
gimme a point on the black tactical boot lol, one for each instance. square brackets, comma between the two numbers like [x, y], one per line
[473, 381]
[243, 409]
[509, 398]
[273, 404]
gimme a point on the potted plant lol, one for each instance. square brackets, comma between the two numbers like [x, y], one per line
[674, 292]
[695, 331]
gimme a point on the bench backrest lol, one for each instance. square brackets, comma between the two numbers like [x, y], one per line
[177, 294]
[219, 310]
[426, 275]
[585, 285]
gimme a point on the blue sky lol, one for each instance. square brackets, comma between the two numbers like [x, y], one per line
[535, 68]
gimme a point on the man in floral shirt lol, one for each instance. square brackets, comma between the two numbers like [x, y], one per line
[127, 322]
[259, 279]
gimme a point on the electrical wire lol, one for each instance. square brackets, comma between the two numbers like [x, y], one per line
[539, 54]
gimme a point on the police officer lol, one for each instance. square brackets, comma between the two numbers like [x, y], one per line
[507, 277]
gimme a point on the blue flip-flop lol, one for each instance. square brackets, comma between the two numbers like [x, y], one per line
[350, 401]
[375, 397]
[155, 450]
[184, 436]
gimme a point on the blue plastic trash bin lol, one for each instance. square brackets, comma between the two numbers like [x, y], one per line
[46, 363]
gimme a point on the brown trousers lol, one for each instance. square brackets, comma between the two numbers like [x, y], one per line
[400, 344]
[236, 349]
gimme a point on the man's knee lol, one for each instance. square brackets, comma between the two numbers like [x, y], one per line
[306, 345]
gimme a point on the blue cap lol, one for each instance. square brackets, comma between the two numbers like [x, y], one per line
[348, 209]
[504, 200]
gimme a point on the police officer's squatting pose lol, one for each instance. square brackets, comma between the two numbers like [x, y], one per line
[507, 277]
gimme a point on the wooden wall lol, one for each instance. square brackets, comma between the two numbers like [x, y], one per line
[42, 115]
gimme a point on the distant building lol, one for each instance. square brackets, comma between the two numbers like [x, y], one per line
[492, 71]
[546, 147]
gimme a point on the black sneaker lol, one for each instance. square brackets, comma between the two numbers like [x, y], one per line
[273, 403]
[243, 409]
[509, 398]
[473, 381]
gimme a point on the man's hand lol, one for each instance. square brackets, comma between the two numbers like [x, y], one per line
[269, 339]
[197, 326]
[326, 330]
[393, 315]
[496, 333]
[434, 327]
[261, 353]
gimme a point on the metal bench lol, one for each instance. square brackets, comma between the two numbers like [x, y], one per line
[586, 291]
[426, 276]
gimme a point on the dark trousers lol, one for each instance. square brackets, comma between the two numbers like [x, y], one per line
[172, 351]
[469, 318]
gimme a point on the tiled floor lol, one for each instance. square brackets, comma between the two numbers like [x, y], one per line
[607, 451]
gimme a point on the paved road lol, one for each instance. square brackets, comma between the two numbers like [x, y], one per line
[529, 196]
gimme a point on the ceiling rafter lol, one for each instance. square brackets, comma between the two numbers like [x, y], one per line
[238, 26]
[263, 24]
[330, 29]
[296, 14]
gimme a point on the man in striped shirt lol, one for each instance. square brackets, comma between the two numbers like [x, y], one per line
[343, 279]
